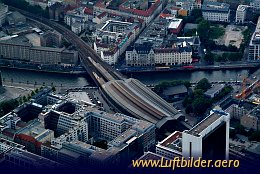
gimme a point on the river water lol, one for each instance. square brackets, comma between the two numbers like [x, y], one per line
[24, 76]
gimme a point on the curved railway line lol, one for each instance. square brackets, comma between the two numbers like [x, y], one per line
[127, 94]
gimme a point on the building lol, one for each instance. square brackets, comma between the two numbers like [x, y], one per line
[56, 11]
[21, 159]
[215, 11]
[171, 146]
[175, 26]
[214, 90]
[189, 4]
[66, 117]
[251, 120]
[254, 45]
[173, 56]
[126, 137]
[112, 39]
[140, 55]
[32, 136]
[108, 126]
[51, 39]
[78, 19]
[208, 139]
[42, 3]
[241, 14]
[15, 18]
[236, 111]
[19, 49]
[255, 4]
[126, 8]
[179, 91]
[3, 13]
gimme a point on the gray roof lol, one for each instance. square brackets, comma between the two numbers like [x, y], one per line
[175, 90]
[214, 89]
[215, 7]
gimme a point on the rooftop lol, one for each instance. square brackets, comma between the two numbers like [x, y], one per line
[179, 89]
[215, 88]
[215, 7]
[214, 116]
[144, 104]
[175, 23]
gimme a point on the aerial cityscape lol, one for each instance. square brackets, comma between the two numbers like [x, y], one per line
[130, 86]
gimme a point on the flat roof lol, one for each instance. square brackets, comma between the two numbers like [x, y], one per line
[215, 88]
[204, 124]
[175, 23]
[80, 96]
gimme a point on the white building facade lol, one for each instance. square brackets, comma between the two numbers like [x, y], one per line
[241, 14]
[215, 11]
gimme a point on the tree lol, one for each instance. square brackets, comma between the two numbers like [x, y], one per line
[28, 97]
[24, 99]
[8, 106]
[188, 109]
[200, 105]
[32, 93]
[209, 57]
[203, 84]
[255, 136]
[203, 30]
[187, 84]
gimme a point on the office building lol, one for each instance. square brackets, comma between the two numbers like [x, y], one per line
[241, 14]
[254, 45]
[19, 49]
[216, 11]
[208, 139]
[67, 121]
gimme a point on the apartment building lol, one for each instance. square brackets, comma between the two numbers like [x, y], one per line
[113, 38]
[146, 55]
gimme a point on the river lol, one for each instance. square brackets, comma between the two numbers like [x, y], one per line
[147, 78]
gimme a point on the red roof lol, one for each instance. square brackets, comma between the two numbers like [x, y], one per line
[102, 15]
[100, 3]
[145, 13]
[28, 139]
[172, 138]
[163, 15]
[88, 11]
